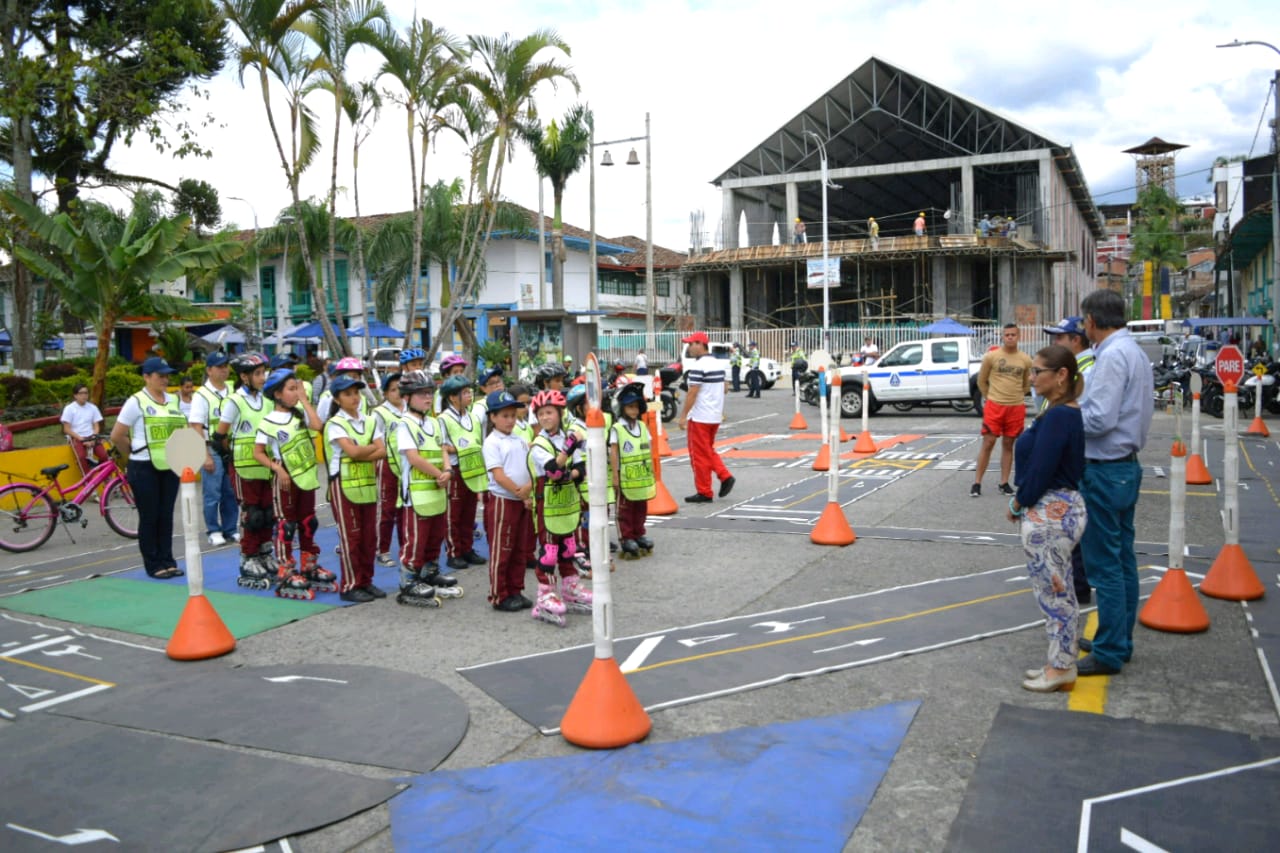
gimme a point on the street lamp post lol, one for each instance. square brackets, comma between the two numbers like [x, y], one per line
[650, 294]
[257, 273]
[826, 283]
[1275, 199]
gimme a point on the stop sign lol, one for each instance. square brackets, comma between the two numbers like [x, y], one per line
[1229, 365]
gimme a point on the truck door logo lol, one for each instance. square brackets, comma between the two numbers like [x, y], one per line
[894, 380]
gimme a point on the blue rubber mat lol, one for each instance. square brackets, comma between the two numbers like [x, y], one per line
[751, 789]
[222, 568]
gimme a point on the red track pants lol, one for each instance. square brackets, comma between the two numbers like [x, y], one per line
[703, 457]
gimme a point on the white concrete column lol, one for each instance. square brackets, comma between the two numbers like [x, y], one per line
[728, 219]
[967, 218]
[938, 276]
[736, 318]
[792, 211]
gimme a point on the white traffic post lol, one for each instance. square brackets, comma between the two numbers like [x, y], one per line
[833, 429]
[1196, 385]
[1177, 503]
[1230, 465]
[598, 527]
[191, 532]
[822, 401]
[866, 396]
[795, 391]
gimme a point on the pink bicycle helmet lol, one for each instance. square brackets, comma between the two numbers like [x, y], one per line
[451, 361]
[349, 363]
[549, 397]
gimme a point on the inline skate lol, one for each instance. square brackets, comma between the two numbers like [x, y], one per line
[630, 550]
[418, 593]
[548, 607]
[293, 584]
[253, 574]
[446, 586]
[645, 544]
[321, 580]
[575, 597]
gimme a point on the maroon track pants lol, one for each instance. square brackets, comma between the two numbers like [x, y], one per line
[421, 538]
[389, 517]
[252, 493]
[357, 535]
[294, 507]
[510, 528]
[462, 517]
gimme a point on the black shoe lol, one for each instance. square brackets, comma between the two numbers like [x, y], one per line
[357, 595]
[1086, 645]
[975, 491]
[510, 604]
[531, 566]
[1006, 489]
[1089, 665]
[474, 559]
[726, 486]
[525, 603]
[1084, 598]
[456, 563]
[697, 499]
[374, 591]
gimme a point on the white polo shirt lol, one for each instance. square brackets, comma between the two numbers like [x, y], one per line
[510, 453]
[708, 374]
[82, 417]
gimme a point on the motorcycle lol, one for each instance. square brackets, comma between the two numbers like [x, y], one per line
[1170, 382]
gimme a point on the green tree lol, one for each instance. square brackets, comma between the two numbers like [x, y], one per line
[363, 105]
[1156, 236]
[79, 76]
[427, 64]
[198, 200]
[335, 29]
[273, 46]
[105, 262]
[501, 80]
[311, 217]
[558, 152]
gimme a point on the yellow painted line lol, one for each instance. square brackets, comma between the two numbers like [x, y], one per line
[56, 671]
[1090, 694]
[832, 631]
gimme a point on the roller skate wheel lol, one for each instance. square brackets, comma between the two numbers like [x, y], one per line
[449, 592]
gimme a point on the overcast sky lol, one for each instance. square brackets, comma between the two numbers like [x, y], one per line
[718, 77]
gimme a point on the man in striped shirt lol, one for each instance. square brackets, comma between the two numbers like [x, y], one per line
[702, 414]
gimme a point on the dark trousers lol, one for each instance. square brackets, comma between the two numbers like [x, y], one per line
[254, 493]
[462, 517]
[632, 516]
[423, 536]
[510, 528]
[357, 536]
[1078, 578]
[796, 376]
[753, 382]
[737, 378]
[295, 511]
[389, 516]
[155, 492]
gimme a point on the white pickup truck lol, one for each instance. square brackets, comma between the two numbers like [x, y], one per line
[771, 369]
[936, 371]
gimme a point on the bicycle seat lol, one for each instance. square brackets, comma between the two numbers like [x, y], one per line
[54, 470]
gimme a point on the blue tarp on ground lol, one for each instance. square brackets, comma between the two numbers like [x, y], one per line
[788, 786]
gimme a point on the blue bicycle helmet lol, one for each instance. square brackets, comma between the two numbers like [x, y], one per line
[408, 355]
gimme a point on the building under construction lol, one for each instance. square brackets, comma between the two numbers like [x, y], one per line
[899, 149]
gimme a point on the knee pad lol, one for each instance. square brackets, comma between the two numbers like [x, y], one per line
[310, 525]
[570, 547]
[289, 528]
[550, 555]
[257, 518]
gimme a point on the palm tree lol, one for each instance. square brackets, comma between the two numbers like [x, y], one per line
[104, 263]
[392, 248]
[427, 65]
[362, 105]
[558, 152]
[274, 47]
[335, 29]
[501, 80]
[310, 217]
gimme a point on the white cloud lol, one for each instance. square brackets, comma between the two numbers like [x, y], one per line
[717, 77]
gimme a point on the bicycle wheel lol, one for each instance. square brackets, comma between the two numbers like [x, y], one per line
[27, 518]
[119, 508]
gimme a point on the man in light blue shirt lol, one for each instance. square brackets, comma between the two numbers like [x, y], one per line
[1117, 417]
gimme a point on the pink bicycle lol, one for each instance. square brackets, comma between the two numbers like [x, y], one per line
[28, 513]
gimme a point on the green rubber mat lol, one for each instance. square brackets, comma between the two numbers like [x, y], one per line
[152, 609]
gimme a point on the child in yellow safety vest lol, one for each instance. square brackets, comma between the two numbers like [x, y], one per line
[388, 414]
[238, 425]
[462, 437]
[352, 445]
[556, 465]
[631, 471]
[285, 445]
[576, 421]
[415, 456]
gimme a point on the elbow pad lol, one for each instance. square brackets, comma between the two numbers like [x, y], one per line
[581, 468]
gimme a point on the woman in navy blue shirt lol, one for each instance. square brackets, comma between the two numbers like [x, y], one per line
[1049, 459]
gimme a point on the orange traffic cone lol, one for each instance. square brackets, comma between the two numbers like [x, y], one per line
[798, 421]
[865, 443]
[200, 633]
[605, 712]
[1197, 471]
[1174, 606]
[1231, 577]
[664, 449]
[661, 503]
[832, 527]
[844, 436]
[1258, 428]
[823, 460]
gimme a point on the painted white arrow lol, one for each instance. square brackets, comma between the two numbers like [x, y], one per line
[867, 642]
[1134, 841]
[283, 679]
[80, 836]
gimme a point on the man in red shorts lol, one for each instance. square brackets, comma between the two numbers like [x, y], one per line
[1003, 380]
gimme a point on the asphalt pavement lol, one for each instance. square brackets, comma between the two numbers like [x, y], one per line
[718, 561]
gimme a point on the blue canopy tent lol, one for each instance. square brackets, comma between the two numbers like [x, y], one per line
[377, 330]
[6, 342]
[313, 331]
[946, 326]
[1196, 323]
[224, 335]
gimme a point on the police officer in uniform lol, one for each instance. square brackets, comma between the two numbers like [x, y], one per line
[799, 364]
[753, 370]
[147, 420]
[735, 367]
